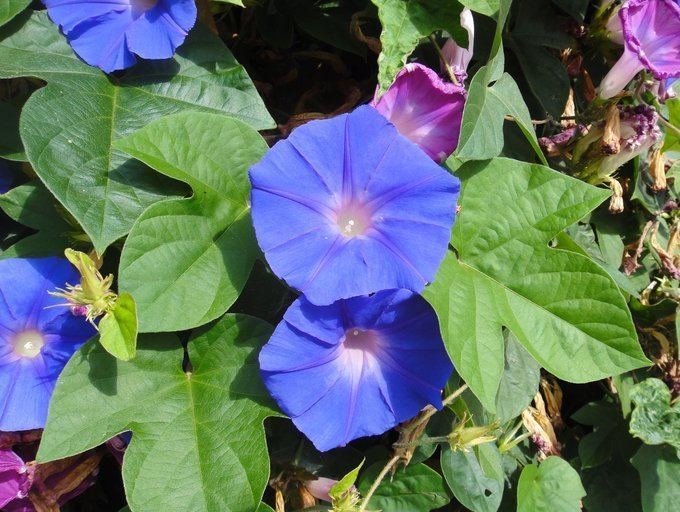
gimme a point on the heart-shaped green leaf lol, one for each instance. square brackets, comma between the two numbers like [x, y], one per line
[552, 486]
[475, 476]
[69, 126]
[563, 308]
[186, 260]
[197, 437]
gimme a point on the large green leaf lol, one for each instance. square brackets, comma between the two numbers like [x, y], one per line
[186, 260]
[404, 24]
[552, 486]
[415, 487]
[493, 95]
[10, 8]
[475, 477]
[197, 437]
[562, 307]
[68, 127]
[654, 420]
[659, 469]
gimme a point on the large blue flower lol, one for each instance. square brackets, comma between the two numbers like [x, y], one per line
[357, 367]
[36, 338]
[348, 206]
[109, 33]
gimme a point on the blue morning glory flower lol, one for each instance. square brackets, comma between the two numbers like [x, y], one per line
[5, 177]
[357, 367]
[108, 34]
[36, 338]
[348, 206]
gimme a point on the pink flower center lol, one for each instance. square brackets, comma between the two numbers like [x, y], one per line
[28, 344]
[353, 220]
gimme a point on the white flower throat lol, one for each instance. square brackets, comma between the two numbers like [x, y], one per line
[28, 344]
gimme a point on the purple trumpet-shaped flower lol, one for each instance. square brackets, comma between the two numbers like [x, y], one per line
[36, 338]
[425, 109]
[357, 367]
[456, 57]
[651, 37]
[5, 177]
[347, 206]
[108, 34]
[15, 477]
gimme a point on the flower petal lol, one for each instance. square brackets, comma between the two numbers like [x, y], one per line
[68, 13]
[651, 29]
[101, 41]
[158, 32]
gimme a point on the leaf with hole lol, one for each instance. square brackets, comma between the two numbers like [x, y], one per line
[563, 308]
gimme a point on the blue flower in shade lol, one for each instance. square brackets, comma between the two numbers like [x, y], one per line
[5, 177]
[357, 367]
[348, 206]
[109, 33]
[36, 338]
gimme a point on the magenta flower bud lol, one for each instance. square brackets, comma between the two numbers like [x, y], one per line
[651, 36]
[425, 109]
[456, 57]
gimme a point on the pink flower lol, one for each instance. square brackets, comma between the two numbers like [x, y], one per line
[651, 37]
[456, 57]
[425, 109]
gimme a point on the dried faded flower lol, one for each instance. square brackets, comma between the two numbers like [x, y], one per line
[657, 170]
